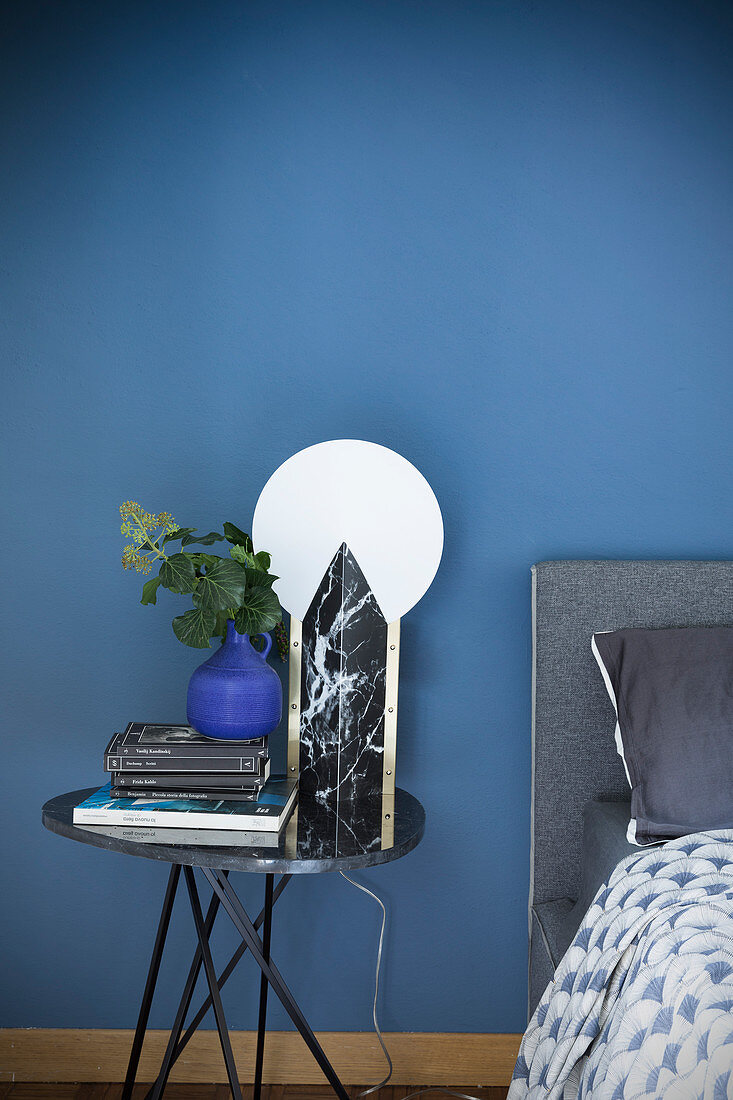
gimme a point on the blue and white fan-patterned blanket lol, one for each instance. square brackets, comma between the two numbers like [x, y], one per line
[641, 1004]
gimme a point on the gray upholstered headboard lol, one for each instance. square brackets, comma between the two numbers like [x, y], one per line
[574, 755]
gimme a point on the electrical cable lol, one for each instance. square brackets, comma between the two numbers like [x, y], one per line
[377, 1030]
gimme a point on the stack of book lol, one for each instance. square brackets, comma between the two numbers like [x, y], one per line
[150, 759]
[165, 776]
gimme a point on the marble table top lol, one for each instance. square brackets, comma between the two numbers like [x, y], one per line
[317, 837]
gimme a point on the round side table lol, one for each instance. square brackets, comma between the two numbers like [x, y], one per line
[317, 838]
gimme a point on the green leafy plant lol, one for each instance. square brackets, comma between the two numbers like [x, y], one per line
[237, 587]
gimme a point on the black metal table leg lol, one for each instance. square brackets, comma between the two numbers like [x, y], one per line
[156, 1090]
[221, 1024]
[226, 972]
[176, 1042]
[244, 926]
[142, 1020]
[262, 1020]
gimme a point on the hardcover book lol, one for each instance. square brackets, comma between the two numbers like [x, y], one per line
[224, 765]
[268, 814]
[176, 781]
[144, 737]
[212, 795]
[149, 746]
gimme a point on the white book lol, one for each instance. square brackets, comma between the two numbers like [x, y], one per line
[223, 838]
[268, 814]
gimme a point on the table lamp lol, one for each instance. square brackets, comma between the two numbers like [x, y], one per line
[357, 535]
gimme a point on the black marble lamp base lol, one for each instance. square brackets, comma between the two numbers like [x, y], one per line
[343, 687]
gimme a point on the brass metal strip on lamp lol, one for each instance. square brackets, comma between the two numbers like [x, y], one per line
[294, 689]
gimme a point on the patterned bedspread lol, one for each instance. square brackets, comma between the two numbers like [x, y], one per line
[641, 1004]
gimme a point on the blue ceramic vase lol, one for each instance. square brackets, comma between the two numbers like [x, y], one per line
[235, 695]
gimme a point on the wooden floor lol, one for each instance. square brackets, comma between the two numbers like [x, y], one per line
[221, 1092]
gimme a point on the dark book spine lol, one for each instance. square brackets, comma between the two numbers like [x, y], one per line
[198, 795]
[241, 765]
[177, 751]
[166, 781]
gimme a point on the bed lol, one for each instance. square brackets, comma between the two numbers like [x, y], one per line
[580, 793]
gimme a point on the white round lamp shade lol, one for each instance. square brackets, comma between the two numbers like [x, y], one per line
[371, 498]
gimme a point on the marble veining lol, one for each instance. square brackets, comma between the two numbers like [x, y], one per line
[344, 650]
[339, 829]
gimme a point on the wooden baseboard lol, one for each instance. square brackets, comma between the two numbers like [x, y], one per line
[425, 1058]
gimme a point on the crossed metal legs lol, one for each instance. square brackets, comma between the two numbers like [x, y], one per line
[223, 894]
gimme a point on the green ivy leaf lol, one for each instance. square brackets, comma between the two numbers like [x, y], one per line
[243, 556]
[256, 576]
[195, 627]
[259, 610]
[178, 573]
[174, 536]
[202, 540]
[234, 534]
[220, 630]
[222, 586]
[199, 560]
[256, 565]
[150, 590]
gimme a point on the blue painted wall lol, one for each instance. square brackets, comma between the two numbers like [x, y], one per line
[494, 236]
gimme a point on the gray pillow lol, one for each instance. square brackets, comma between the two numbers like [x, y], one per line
[673, 694]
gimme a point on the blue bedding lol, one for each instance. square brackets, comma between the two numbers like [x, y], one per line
[641, 1004]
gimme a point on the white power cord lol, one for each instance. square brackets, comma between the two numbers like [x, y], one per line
[377, 1030]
